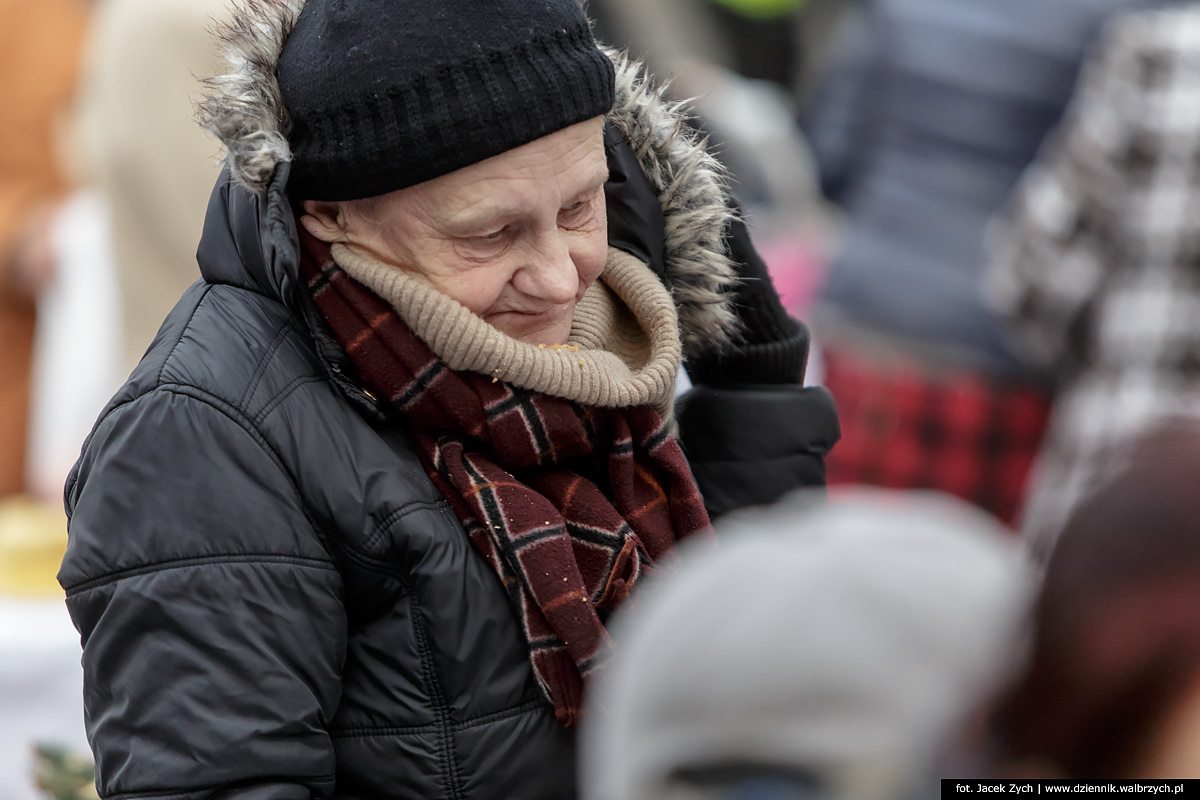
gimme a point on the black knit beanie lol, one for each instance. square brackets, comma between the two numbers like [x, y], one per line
[384, 94]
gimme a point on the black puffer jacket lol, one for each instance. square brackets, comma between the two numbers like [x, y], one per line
[274, 602]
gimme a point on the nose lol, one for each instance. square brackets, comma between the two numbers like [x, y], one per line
[550, 274]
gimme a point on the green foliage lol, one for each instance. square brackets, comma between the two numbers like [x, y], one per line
[763, 9]
[62, 775]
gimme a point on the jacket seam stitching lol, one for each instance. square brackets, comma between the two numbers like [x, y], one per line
[367, 733]
[376, 565]
[363, 732]
[179, 340]
[239, 418]
[448, 761]
[276, 343]
[388, 522]
[443, 726]
[508, 713]
[198, 561]
[386, 567]
[73, 478]
[284, 394]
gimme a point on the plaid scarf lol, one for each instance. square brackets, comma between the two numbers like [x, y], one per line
[569, 504]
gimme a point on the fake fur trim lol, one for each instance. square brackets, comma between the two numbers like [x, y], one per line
[697, 211]
[244, 109]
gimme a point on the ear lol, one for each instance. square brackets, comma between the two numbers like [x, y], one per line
[324, 221]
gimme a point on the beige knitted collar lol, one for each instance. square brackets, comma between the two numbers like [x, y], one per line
[624, 348]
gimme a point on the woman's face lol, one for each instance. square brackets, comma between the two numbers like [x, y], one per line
[517, 239]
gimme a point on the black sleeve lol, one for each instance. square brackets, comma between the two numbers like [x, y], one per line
[750, 445]
[751, 430]
[210, 614]
[773, 346]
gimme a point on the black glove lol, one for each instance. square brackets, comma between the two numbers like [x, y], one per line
[774, 347]
[635, 218]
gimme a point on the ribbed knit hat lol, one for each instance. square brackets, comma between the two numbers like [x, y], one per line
[385, 94]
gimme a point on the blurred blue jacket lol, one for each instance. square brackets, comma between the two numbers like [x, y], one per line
[920, 134]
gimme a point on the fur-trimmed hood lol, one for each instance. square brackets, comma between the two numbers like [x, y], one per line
[245, 110]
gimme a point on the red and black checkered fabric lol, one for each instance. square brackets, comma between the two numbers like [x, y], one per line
[906, 428]
[570, 505]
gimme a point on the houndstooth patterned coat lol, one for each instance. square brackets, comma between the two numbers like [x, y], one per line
[1097, 263]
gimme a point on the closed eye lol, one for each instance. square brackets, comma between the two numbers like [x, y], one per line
[576, 213]
[487, 245]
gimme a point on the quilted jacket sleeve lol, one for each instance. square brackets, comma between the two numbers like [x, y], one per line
[751, 445]
[751, 430]
[1062, 235]
[211, 616]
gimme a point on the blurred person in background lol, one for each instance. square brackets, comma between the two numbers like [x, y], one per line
[920, 136]
[785, 42]
[355, 523]
[153, 165]
[1095, 265]
[1113, 686]
[39, 58]
[124, 244]
[754, 38]
[40, 678]
[829, 652]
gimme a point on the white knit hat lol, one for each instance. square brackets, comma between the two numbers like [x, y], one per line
[841, 643]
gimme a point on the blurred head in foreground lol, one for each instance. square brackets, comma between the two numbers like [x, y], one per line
[1113, 687]
[813, 653]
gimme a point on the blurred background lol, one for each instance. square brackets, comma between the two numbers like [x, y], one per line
[977, 207]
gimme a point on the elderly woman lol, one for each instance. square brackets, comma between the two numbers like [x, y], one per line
[355, 524]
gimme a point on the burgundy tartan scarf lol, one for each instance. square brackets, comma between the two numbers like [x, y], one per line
[569, 504]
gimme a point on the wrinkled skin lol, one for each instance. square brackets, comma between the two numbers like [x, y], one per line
[517, 238]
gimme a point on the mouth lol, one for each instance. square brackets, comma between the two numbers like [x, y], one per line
[535, 327]
[553, 312]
